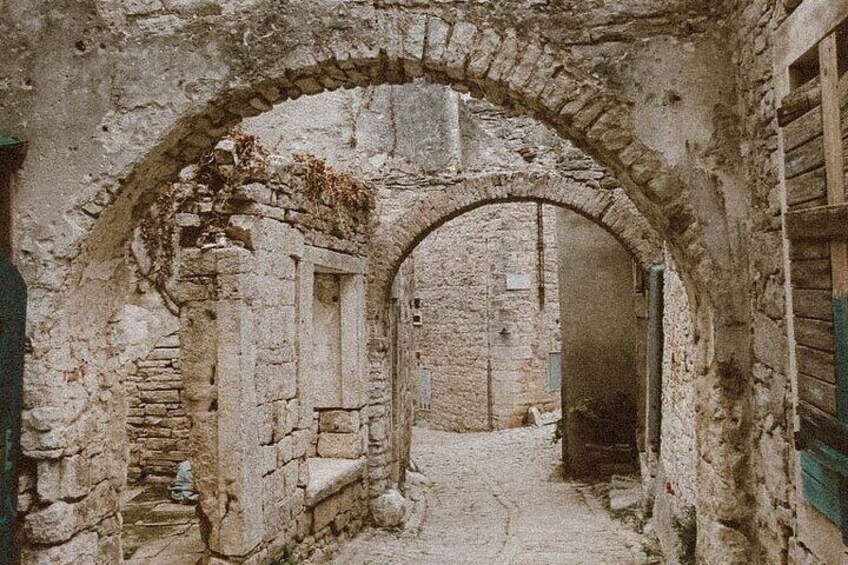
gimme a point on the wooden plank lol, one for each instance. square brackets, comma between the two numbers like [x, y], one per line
[822, 427]
[805, 158]
[799, 102]
[803, 249]
[840, 338]
[814, 274]
[816, 304]
[817, 334]
[823, 222]
[805, 187]
[806, 127]
[805, 27]
[832, 134]
[816, 364]
[820, 394]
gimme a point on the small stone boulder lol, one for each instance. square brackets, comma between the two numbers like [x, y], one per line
[389, 509]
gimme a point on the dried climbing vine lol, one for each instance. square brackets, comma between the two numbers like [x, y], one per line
[351, 200]
[217, 181]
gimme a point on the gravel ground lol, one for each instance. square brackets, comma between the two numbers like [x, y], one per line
[495, 499]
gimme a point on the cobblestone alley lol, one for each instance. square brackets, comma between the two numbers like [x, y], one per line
[492, 499]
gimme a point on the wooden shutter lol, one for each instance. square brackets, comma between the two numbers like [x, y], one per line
[814, 121]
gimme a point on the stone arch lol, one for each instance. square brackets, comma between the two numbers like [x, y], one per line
[508, 67]
[393, 242]
[610, 209]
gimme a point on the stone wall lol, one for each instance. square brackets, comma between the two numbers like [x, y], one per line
[785, 527]
[268, 284]
[675, 482]
[484, 339]
[157, 426]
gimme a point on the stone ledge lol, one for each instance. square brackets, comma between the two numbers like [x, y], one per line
[327, 476]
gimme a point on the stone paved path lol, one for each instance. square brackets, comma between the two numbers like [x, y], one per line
[494, 499]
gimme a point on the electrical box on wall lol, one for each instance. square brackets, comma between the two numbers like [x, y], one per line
[417, 320]
[518, 282]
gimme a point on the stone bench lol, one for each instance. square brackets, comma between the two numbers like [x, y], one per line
[335, 491]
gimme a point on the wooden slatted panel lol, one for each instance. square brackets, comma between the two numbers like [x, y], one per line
[812, 273]
[814, 137]
[815, 304]
[813, 333]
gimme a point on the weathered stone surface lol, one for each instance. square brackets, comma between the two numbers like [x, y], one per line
[389, 509]
[338, 445]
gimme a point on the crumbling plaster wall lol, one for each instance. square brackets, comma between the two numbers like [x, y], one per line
[474, 327]
[74, 173]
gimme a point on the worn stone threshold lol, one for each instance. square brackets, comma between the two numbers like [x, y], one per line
[327, 476]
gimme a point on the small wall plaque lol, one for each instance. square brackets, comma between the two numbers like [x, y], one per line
[518, 282]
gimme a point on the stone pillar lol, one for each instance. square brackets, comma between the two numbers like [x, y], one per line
[218, 358]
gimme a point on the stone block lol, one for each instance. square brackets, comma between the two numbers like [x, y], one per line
[327, 511]
[341, 421]
[342, 446]
[389, 509]
[300, 443]
[284, 451]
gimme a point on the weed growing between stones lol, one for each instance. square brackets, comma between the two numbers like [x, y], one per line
[283, 557]
[218, 176]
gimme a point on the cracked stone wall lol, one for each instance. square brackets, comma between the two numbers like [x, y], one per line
[484, 345]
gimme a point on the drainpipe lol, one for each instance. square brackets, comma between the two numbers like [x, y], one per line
[540, 254]
[490, 395]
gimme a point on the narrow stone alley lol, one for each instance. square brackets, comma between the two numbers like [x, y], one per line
[495, 498]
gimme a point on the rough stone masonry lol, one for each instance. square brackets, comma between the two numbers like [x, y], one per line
[675, 100]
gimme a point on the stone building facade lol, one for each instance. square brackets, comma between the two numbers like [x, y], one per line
[487, 331]
[693, 155]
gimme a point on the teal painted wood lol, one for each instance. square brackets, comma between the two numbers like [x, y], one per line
[827, 456]
[655, 355]
[12, 346]
[821, 487]
[840, 343]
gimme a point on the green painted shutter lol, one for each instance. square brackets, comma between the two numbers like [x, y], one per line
[12, 345]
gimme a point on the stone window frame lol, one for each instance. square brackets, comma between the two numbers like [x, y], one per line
[352, 271]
